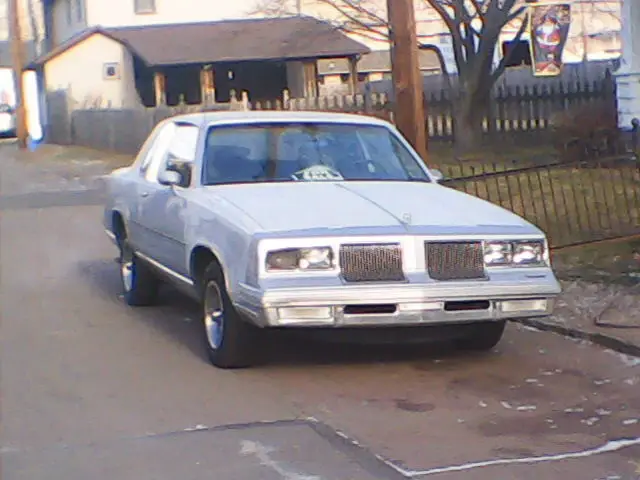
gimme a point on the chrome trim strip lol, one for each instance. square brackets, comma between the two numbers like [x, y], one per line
[110, 234]
[166, 270]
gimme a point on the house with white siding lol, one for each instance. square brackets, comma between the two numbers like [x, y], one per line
[129, 53]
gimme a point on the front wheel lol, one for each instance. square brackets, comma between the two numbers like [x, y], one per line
[230, 342]
[139, 284]
[483, 336]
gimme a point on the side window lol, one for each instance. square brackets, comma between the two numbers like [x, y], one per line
[158, 152]
[146, 151]
[175, 144]
[184, 144]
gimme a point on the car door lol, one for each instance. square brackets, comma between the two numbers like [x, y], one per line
[151, 153]
[163, 208]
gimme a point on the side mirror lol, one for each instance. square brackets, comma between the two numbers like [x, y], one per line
[437, 175]
[183, 168]
[170, 178]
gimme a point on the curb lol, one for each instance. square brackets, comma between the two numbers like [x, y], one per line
[620, 346]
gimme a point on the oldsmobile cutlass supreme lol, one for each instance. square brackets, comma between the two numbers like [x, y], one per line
[299, 219]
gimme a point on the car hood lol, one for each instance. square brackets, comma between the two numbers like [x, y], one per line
[396, 207]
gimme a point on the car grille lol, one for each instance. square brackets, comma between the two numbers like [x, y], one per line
[371, 263]
[455, 260]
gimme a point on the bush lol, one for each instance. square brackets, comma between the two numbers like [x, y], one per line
[585, 131]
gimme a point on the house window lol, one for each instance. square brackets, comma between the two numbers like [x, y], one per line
[144, 6]
[111, 71]
[520, 54]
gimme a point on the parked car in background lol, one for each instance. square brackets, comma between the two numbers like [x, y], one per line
[324, 220]
[7, 121]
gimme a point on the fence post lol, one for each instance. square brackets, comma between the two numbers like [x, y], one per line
[111, 138]
[367, 98]
[245, 101]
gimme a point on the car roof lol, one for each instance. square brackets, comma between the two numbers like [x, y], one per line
[239, 117]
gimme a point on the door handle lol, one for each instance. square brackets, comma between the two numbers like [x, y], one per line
[144, 194]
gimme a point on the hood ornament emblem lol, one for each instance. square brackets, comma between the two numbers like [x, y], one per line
[406, 218]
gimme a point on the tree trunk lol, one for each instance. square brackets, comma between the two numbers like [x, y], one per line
[468, 123]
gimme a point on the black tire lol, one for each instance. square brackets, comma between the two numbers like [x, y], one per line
[482, 337]
[141, 288]
[235, 343]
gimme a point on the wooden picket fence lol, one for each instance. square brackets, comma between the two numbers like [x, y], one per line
[513, 111]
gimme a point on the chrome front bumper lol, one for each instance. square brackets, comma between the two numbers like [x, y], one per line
[397, 305]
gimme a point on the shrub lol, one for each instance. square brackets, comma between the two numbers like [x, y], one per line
[585, 131]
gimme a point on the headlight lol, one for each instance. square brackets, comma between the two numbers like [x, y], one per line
[317, 258]
[515, 254]
[528, 253]
[497, 253]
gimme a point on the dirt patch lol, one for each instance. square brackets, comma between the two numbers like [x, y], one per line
[54, 168]
[599, 304]
[66, 153]
[601, 288]
[614, 262]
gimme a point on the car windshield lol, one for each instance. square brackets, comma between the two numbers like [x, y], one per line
[306, 152]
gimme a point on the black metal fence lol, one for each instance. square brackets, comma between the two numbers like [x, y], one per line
[595, 198]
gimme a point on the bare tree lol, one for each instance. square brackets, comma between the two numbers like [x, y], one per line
[475, 27]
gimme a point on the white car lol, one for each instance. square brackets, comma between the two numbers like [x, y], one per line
[7, 120]
[300, 219]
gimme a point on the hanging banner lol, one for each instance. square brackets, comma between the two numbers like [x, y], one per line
[548, 30]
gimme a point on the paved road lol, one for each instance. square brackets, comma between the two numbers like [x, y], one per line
[93, 389]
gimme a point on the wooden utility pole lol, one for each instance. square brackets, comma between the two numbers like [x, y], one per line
[18, 60]
[407, 78]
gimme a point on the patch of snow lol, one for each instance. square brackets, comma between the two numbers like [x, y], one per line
[603, 412]
[611, 446]
[574, 410]
[590, 421]
[531, 329]
[506, 405]
[196, 428]
[627, 360]
[630, 421]
[526, 408]
[601, 382]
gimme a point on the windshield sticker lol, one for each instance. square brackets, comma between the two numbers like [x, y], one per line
[318, 173]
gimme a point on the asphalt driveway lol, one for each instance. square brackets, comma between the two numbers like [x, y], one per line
[93, 389]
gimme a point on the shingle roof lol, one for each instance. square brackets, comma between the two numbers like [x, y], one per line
[291, 38]
[376, 61]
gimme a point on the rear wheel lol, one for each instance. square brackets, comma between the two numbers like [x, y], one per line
[139, 284]
[230, 342]
[482, 337]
